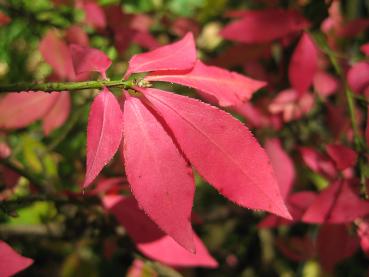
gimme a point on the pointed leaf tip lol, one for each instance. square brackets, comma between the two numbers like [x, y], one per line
[10, 261]
[156, 170]
[180, 55]
[222, 149]
[151, 241]
[104, 133]
[303, 64]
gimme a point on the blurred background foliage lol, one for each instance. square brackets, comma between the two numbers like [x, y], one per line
[71, 237]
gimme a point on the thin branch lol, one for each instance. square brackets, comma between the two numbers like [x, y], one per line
[66, 86]
[323, 45]
[39, 185]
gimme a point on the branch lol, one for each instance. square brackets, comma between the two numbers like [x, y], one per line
[40, 186]
[323, 45]
[67, 86]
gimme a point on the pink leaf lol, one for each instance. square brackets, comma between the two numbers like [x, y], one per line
[58, 114]
[167, 251]
[363, 234]
[334, 244]
[222, 149]
[180, 55]
[336, 204]
[344, 157]
[5, 150]
[303, 64]
[297, 204]
[264, 25]
[353, 27]
[56, 53]
[254, 116]
[145, 39]
[365, 49]
[325, 84]
[109, 185]
[318, 163]
[18, 110]
[10, 261]
[76, 35]
[151, 241]
[282, 165]
[104, 133]
[94, 15]
[358, 76]
[87, 59]
[367, 128]
[291, 105]
[228, 88]
[156, 170]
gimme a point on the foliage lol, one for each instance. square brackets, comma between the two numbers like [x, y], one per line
[265, 101]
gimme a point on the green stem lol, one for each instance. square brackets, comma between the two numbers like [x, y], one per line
[69, 86]
[40, 186]
[323, 45]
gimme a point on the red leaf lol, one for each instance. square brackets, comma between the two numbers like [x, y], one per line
[104, 133]
[9, 177]
[358, 77]
[4, 19]
[365, 49]
[58, 114]
[291, 105]
[113, 185]
[167, 251]
[222, 149]
[353, 27]
[282, 165]
[156, 170]
[76, 35]
[363, 234]
[87, 59]
[367, 128]
[10, 261]
[228, 88]
[145, 39]
[303, 64]
[18, 110]
[297, 204]
[94, 15]
[317, 162]
[344, 157]
[325, 84]
[254, 116]
[296, 248]
[5, 150]
[334, 244]
[151, 241]
[264, 25]
[336, 204]
[56, 53]
[180, 55]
